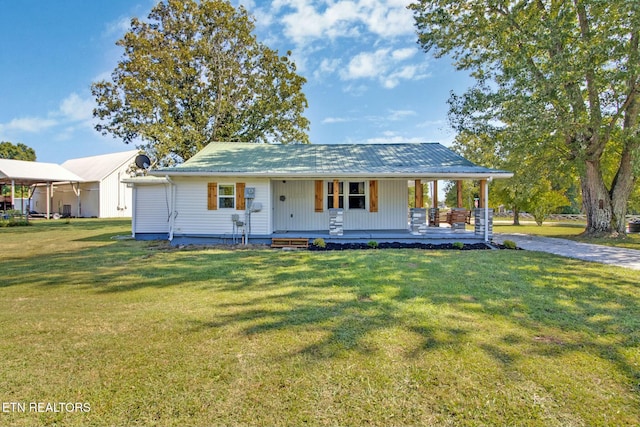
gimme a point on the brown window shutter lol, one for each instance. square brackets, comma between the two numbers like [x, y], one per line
[373, 196]
[212, 196]
[319, 196]
[240, 206]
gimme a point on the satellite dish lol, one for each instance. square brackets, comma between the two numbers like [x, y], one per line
[142, 161]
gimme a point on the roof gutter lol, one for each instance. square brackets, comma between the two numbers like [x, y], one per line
[306, 175]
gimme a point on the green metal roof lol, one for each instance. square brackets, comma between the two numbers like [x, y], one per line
[331, 160]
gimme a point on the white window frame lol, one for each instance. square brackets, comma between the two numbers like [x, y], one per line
[345, 195]
[362, 195]
[222, 197]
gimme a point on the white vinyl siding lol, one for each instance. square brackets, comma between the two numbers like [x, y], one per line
[151, 208]
[194, 218]
[296, 211]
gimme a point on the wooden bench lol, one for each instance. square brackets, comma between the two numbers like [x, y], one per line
[459, 216]
[278, 242]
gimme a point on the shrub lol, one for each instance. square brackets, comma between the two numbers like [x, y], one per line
[13, 222]
[372, 244]
[509, 244]
[319, 242]
[458, 245]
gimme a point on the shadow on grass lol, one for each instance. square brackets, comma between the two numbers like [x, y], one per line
[438, 299]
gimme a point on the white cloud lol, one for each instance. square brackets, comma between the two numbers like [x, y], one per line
[407, 72]
[367, 65]
[117, 27]
[75, 108]
[401, 114]
[29, 124]
[404, 53]
[104, 76]
[390, 18]
[386, 66]
[73, 114]
[330, 120]
[307, 20]
[327, 67]
[390, 137]
[353, 39]
[432, 123]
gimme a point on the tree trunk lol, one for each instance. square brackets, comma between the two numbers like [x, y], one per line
[516, 215]
[621, 190]
[596, 201]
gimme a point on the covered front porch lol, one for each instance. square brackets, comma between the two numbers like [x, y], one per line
[436, 236]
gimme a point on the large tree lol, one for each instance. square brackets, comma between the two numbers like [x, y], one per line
[17, 151]
[568, 70]
[194, 73]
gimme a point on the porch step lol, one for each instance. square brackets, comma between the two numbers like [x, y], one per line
[278, 242]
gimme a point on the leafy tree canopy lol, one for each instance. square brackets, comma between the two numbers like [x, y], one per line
[564, 71]
[17, 151]
[193, 73]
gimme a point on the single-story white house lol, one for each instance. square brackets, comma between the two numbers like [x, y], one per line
[100, 194]
[261, 191]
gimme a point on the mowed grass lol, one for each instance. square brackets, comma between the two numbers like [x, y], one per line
[148, 335]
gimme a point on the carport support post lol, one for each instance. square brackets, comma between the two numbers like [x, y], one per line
[418, 196]
[76, 190]
[48, 198]
[459, 193]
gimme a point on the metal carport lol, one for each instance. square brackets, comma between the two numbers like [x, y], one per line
[20, 172]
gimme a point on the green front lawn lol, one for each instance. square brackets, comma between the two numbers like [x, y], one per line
[146, 335]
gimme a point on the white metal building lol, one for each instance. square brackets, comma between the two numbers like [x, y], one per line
[102, 194]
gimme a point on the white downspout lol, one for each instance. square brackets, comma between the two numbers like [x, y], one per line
[172, 201]
[133, 210]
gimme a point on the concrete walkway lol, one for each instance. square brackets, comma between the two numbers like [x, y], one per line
[628, 258]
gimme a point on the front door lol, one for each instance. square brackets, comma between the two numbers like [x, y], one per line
[290, 205]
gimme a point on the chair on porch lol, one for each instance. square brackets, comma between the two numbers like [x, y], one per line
[457, 217]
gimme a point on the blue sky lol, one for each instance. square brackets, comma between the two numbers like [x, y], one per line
[368, 81]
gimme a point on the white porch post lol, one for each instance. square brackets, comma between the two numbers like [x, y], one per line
[486, 210]
[13, 193]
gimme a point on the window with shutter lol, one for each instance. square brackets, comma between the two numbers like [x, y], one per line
[240, 201]
[319, 196]
[212, 196]
[226, 196]
[373, 196]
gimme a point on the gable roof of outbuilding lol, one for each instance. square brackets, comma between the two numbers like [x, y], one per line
[29, 173]
[411, 160]
[97, 168]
